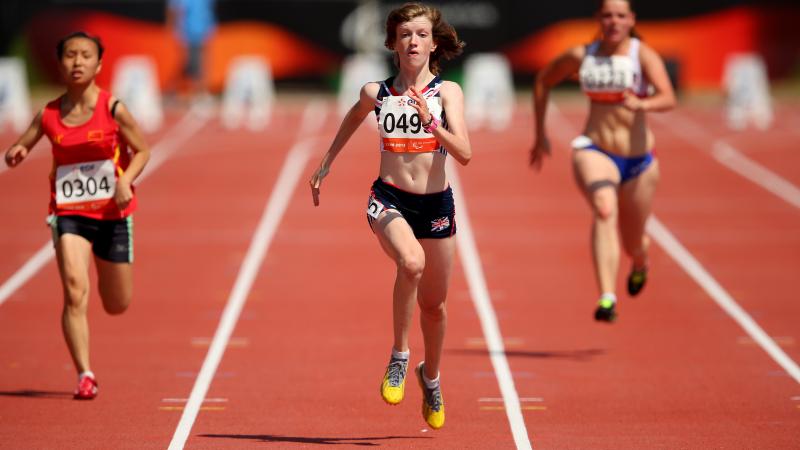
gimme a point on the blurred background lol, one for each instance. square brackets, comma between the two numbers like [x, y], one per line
[305, 42]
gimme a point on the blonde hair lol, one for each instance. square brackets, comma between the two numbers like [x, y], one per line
[448, 46]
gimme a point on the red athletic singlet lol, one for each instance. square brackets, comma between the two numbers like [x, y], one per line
[87, 160]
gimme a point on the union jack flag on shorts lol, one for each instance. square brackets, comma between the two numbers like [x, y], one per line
[440, 224]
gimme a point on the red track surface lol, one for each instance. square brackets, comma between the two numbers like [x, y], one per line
[305, 361]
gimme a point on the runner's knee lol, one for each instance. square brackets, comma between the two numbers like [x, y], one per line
[604, 204]
[412, 265]
[115, 300]
[433, 310]
[76, 293]
[117, 305]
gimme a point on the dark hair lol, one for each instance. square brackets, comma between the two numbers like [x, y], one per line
[633, 33]
[79, 34]
[448, 46]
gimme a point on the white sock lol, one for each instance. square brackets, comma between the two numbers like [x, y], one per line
[400, 355]
[610, 296]
[431, 384]
[88, 373]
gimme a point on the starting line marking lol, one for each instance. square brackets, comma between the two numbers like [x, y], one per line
[184, 400]
[181, 408]
[522, 399]
[524, 408]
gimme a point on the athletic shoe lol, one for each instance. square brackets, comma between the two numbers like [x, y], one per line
[636, 280]
[394, 381]
[432, 401]
[606, 310]
[87, 388]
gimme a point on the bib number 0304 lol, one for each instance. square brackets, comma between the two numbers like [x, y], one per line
[86, 184]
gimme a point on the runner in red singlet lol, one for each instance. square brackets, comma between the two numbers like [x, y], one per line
[98, 151]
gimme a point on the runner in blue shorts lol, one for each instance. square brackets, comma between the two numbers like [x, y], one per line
[613, 161]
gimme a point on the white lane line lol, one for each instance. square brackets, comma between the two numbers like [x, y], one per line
[27, 271]
[758, 174]
[694, 269]
[174, 138]
[692, 133]
[313, 118]
[470, 260]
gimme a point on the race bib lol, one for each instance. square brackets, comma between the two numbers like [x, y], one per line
[401, 128]
[87, 185]
[603, 73]
[374, 208]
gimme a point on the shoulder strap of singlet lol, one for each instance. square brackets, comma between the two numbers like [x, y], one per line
[386, 88]
[50, 115]
[383, 91]
[633, 50]
[433, 88]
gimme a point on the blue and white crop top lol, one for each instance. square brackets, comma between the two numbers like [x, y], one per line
[399, 124]
[606, 78]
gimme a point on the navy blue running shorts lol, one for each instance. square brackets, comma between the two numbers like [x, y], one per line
[431, 216]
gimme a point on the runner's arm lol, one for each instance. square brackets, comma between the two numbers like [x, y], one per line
[350, 124]
[555, 72]
[18, 151]
[141, 153]
[456, 139]
[653, 70]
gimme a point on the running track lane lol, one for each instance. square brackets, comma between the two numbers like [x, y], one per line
[315, 336]
[196, 217]
[620, 391]
[675, 371]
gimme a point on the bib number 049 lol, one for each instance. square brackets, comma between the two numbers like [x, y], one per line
[405, 122]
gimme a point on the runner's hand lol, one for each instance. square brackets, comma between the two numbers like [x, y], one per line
[541, 149]
[123, 194]
[632, 101]
[421, 106]
[316, 181]
[16, 154]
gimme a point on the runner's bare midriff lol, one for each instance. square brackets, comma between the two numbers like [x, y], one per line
[420, 173]
[616, 129]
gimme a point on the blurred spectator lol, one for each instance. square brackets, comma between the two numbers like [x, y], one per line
[193, 22]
